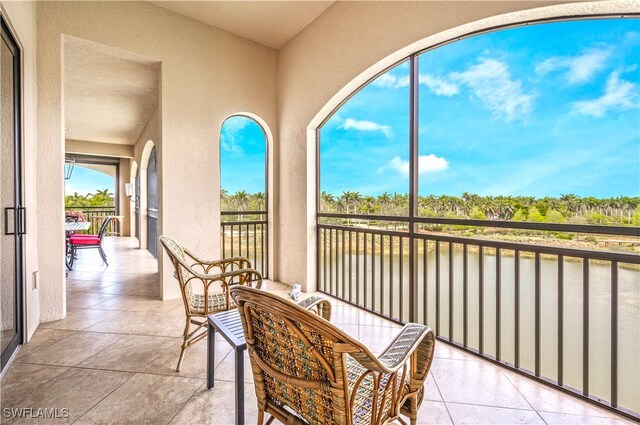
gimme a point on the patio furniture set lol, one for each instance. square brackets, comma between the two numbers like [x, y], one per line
[76, 241]
[305, 369]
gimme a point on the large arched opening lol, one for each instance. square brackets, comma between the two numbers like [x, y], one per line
[454, 257]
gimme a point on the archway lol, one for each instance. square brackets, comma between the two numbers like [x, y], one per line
[245, 191]
[504, 98]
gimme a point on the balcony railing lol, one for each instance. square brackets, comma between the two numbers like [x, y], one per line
[245, 233]
[566, 316]
[90, 213]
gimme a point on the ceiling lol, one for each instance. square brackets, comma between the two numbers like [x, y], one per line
[110, 94]
[271, 23]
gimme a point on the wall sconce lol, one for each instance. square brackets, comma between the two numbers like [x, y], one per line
[130, 192]
[69, 163]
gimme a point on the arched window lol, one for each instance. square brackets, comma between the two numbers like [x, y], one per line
[489, 187]
[243, 191]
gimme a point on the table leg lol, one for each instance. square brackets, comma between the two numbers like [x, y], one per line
[211, 356]
[239, 386]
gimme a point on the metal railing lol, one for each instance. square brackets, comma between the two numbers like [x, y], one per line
[92, 215]
[245, 233]
[565, 316]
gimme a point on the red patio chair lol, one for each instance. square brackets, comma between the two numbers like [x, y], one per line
[77, 241]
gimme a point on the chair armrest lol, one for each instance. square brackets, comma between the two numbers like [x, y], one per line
[404, 345]
[244, 277]
[321, 305]
[224, 277]
[241, 262]
[204, 276]
[409, 340]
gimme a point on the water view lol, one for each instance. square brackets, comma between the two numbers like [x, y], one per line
[383, 279]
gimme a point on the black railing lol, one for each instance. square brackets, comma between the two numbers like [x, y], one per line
[544, 311]
[245, 234]
[94, 216]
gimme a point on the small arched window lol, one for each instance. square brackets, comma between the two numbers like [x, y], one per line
[243, 191]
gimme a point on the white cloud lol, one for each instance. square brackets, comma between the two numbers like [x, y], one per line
[350, 123]
[230, 130]
[426, 164]
[618, 94]
[580, 68]
[391, 81]
[491, 82]
[439, 86]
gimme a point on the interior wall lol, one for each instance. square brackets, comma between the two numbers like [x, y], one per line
[206, 75]
[21, 17]
[342, 49]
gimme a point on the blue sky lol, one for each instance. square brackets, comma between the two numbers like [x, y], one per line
[542, 110]
[84, 181]
[242, 156]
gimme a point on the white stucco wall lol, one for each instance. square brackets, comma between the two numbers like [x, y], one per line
[21, 17]
[206, 75]
[346, 46]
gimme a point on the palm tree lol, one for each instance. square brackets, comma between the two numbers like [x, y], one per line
[260, 199]
[327, 202]
[348, 199]
[224, 199]
[384, 201]
[240, 198]
[102, 198]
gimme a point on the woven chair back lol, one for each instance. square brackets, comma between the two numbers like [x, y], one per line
[293, 356]
[175, 251]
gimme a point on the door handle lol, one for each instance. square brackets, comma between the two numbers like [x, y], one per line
[22, 228]
[6, 221]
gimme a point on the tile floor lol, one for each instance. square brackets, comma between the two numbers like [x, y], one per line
[112, 361]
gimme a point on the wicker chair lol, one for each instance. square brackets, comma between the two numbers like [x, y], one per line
[307, 371]
[204, 286]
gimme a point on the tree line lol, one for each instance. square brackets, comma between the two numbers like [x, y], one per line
[242, 201]
[618, 211]
[102, 198]
[622, 210]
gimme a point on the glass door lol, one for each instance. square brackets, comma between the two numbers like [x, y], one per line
[12, 216]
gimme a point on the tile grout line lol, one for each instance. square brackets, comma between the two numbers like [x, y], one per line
[51, 379]
[187, 402]
[103, 398]
[442, 397]
[136, 372]
[615, 416]
[522, 395]
[51, 343]
[491, 406]
[115, 333]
